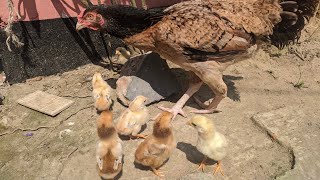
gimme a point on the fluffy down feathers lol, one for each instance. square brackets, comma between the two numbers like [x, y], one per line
[101, 93]
[109, 148]
[210, 142]
[134, 117]
[158, 147]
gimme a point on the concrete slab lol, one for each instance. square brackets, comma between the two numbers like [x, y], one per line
[290, 127]
[45, 103]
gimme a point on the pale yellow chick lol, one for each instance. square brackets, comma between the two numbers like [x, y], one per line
[210, 142]
[133, 118]
[101, 92]
[158, 147]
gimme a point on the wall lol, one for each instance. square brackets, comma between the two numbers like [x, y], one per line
[31, 10]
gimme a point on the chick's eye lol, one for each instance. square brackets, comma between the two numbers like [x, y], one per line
[193, 124]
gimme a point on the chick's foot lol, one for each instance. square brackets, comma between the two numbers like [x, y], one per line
[142, 136]
[158, 173]
[207, 109]
[203, 164]
[218, 168]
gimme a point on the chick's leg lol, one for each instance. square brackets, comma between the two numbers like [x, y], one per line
[218, 168]
[157, 172]
[142, 136]
[214, 80]
[195, 84]
[203, 164]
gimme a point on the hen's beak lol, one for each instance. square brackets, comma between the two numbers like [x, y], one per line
[79, 26]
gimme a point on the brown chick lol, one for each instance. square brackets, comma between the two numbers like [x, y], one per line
[133, 118]
[101, 93]
[210, 142]
[109, 149]
[158, 147]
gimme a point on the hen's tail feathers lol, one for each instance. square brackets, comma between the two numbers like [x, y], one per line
[296, 14]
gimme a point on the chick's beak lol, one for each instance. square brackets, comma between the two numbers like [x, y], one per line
[118, 52]
[79, 26]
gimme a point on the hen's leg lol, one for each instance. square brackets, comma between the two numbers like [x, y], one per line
[214, 80]
[177, 108]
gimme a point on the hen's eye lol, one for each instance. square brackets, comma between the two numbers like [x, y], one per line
[89, 16]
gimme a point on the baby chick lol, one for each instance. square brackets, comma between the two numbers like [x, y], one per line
[109, 149]
[133, 118]
[158, 147]
[122, 55]
[210, 142]
[101, 93]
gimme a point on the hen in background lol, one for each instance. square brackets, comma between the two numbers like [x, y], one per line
[203, 37]
[210, 142]
[101, 92]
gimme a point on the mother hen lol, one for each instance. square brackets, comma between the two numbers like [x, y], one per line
[203, 37]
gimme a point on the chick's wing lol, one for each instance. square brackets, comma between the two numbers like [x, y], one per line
[155, 149]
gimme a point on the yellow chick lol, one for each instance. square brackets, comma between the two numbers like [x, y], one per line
[109, 149]
[210, 142]
[101, 93]
[158, 147]
[133, 118]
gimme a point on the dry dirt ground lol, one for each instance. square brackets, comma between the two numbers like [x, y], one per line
[271, 119]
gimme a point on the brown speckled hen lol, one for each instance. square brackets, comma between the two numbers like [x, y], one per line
[203, 37]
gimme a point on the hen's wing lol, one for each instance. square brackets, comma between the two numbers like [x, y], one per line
[218, 29]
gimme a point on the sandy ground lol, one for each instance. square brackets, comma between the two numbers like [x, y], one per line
[271, 119]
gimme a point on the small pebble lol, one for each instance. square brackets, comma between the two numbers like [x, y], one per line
[29, 134]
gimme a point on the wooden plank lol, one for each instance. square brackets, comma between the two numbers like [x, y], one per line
[45, 103]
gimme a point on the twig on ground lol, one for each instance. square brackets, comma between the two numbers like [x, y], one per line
[71, 153]
[297, 54]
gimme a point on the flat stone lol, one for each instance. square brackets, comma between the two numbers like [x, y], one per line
[148, 75]
[45, 103]
[292, 128]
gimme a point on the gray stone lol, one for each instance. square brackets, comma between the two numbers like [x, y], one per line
[148, 75]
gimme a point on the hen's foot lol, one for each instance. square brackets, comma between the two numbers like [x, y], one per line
[174, 110]
[207, 109]
[202, 164]
[158, 173]
[218, 168]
